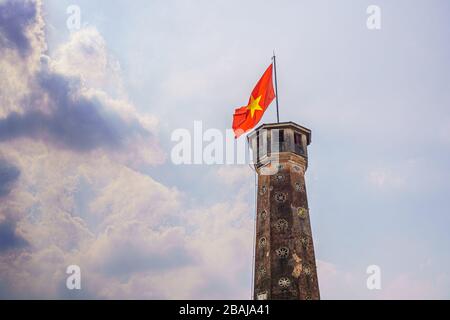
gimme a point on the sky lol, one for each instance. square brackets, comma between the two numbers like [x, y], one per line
[87, 115]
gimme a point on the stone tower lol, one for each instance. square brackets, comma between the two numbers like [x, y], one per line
[285, 265]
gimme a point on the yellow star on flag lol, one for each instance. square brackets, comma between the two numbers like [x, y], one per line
[254, 105]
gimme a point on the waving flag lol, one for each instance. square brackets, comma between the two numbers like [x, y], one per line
[246, 118]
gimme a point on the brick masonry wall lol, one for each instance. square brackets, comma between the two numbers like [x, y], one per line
[285, 265]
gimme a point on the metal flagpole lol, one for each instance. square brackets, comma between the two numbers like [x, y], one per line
[276, 84]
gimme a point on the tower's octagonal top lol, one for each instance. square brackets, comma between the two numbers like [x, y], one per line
[273, 139]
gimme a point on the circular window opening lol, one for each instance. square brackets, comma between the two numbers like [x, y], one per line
[299, 187]
[302, 213]
[280, 197]
[263, 215]
[282, 252]
[281, 225]
[284, 283]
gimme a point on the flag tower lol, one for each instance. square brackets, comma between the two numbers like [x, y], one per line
[285, 265]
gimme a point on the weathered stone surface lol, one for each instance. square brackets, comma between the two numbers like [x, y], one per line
[285, 265]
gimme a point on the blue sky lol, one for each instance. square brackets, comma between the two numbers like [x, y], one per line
[377, 102]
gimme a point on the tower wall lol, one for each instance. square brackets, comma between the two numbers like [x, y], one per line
[285, 265]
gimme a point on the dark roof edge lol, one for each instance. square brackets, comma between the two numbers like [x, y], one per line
[283, 125]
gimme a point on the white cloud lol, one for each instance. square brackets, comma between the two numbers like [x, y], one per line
[235, 175]
[85, 55]
[132, 236]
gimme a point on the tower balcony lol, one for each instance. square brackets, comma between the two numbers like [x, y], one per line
[281, 141]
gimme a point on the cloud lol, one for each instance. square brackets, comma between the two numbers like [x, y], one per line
[8, 175]
[9, 239]
[131, 236]
[16, 17]
[67, 126]
[70, 133]
[234, 175]
[85, 56]
[75, 121]
[82, 198]
[73, 103]
[135, 248]
[333, 278]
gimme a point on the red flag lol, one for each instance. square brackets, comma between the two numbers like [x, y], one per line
[246, 118]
